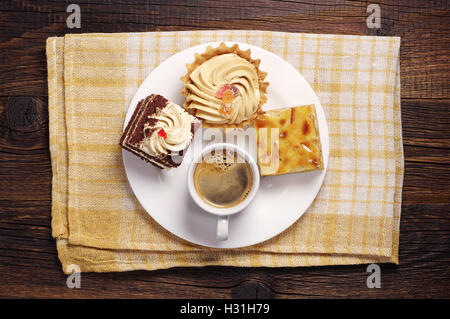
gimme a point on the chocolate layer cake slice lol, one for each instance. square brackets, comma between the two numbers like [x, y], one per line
[159, 132]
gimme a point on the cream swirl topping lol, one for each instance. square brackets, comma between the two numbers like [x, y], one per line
[171, 133]
[208, 78]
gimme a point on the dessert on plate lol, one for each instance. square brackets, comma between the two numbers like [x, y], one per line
[288, 141]
[224, 85]
[159, 132]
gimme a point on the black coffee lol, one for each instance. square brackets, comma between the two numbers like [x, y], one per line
[223, 179]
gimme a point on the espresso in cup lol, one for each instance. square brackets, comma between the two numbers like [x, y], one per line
[223, 179]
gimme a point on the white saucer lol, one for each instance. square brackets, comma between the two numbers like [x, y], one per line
[281, 200]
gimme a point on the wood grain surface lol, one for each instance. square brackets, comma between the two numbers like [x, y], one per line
[29, 266]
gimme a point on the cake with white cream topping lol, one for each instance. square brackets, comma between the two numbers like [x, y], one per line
[159, 132]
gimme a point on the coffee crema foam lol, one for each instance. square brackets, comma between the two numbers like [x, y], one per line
[223, 179]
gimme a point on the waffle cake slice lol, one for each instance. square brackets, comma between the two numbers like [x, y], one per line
[288, 141]
[159, 132]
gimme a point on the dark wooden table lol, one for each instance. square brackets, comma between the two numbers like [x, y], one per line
[29, 266]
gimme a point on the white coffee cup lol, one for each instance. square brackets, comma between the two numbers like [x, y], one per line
[223, 213]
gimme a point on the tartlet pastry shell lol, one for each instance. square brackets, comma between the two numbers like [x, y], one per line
[223, 49]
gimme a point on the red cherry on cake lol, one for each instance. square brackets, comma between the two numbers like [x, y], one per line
[162, 133]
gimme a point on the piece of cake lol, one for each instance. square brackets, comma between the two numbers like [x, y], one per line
[224, 85]
[288, 141]
[159, 132]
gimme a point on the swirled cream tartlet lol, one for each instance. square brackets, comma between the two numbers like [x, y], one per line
[159, 132]
[224, 86]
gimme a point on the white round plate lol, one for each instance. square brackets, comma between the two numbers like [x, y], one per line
[281, 200]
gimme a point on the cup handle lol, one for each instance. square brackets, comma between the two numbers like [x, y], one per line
[222, 228]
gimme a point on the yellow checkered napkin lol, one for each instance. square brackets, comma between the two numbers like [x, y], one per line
[100, 226]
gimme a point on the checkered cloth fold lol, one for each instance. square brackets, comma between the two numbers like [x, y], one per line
[98, 223]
